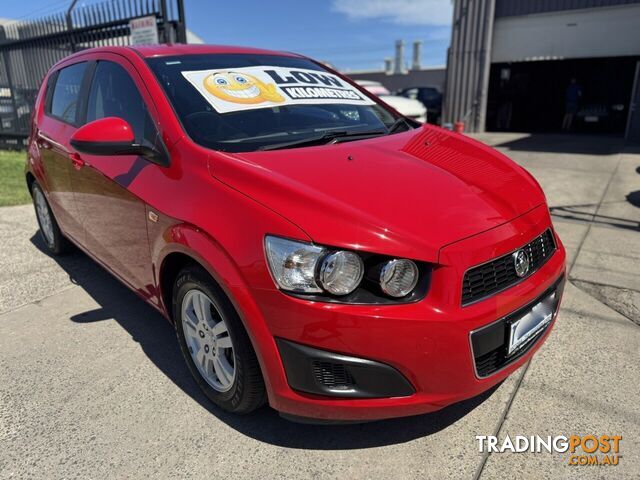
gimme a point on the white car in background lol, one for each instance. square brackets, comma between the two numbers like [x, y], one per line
[408, 107]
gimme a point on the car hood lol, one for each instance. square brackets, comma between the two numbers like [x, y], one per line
[407, 194]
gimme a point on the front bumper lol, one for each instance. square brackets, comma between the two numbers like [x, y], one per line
[427, 343]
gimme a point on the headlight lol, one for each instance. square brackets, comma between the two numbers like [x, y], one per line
[301, 267]
[341, 272]
[293, 264]
[398, 277]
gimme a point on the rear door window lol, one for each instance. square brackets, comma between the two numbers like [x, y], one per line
[66, 93]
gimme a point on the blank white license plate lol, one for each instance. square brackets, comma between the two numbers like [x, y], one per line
[527, 327]
[591, 119]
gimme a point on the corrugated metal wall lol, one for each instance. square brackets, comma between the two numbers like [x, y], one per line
[510, 8]
[468, 63]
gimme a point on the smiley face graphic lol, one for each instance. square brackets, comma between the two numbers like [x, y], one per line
[241, 88]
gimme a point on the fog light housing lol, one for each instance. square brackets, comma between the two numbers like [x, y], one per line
[398, 277]
[341, 272]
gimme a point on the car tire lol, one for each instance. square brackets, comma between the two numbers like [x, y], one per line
[214, 343]
[53, 239]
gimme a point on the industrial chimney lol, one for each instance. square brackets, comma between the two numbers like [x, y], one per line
[416, 64]
[399, 61]
[388, 66]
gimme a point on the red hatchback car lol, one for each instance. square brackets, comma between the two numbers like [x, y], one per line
[313, 248]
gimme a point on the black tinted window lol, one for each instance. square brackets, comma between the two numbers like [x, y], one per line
[67, 91]
[114, 94]
[429, 94]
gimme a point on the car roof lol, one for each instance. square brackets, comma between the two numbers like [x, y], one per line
[166, 50]
[185, 49]
[176, 49]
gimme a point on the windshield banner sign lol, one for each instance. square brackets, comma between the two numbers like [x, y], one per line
[248, 88]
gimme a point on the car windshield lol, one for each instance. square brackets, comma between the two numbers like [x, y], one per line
[245, 102]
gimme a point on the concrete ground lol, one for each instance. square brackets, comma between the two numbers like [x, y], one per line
[92, 383]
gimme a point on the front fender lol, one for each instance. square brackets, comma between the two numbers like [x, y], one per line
[234, 272]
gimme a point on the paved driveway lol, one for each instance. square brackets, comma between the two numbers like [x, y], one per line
[92, 383]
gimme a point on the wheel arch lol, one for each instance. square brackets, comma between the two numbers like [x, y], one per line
[188, 245]
[172, 264]
[179, 256]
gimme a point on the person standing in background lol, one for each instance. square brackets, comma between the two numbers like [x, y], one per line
[571, 100]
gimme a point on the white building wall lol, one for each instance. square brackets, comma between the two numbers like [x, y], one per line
[596, 32]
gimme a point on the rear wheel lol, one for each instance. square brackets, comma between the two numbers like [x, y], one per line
[215, 344]
[50, 232]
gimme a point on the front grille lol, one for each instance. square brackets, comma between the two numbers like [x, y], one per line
[332, 375]
[499, 274]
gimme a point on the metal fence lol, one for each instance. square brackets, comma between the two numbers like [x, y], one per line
[28, 49]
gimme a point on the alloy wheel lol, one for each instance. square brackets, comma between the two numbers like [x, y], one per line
[44, 216]
[208, 340]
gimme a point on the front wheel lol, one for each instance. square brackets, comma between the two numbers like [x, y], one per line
[215, 344]
[50, 232]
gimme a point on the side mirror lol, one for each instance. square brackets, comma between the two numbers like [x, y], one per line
[113, 136]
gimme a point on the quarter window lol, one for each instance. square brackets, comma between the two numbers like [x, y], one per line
[64, 103]
[114, 94]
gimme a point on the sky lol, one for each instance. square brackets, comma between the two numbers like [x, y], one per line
[350, 34]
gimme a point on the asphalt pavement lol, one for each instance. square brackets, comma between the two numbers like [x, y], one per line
[92, 384]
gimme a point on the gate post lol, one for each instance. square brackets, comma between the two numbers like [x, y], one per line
[72, 41]
[166, 35]
[182, 29]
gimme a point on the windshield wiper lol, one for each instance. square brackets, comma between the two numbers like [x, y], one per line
[397, 124]
[331, 136]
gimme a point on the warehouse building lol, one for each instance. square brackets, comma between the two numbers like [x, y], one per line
[524, 65]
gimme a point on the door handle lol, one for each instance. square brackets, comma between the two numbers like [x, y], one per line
[42, 141]
[77, 161]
